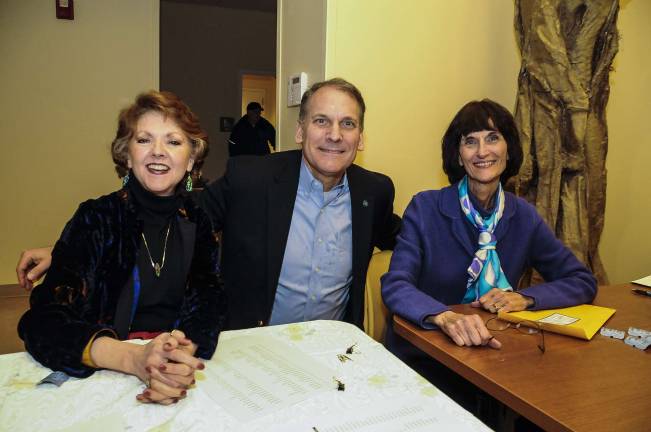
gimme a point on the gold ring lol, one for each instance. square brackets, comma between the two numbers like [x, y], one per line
[172, 332]
[148, 382]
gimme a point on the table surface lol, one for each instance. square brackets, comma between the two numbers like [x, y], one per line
[578, 385]
[14, 301]
[107, 398]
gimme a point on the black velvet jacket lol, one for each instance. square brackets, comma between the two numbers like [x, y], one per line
[88, 287]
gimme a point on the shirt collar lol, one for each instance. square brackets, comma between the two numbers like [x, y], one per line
[309, 184]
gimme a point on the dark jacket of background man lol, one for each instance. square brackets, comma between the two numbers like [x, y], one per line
[251, 133]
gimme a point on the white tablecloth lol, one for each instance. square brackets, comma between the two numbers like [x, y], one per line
[106, 400]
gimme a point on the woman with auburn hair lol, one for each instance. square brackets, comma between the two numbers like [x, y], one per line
[140, 262]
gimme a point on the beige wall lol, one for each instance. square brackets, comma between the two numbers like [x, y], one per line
[204, 51]
[301, 48]
[62, 84]
[418, 63]
[626, 241]
[65, 81]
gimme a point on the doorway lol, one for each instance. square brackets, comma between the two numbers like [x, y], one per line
[262, 89]
[205, 47]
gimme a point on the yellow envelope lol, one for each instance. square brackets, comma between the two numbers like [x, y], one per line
[581, 321]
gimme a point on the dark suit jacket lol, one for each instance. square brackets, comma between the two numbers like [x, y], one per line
[253, 204]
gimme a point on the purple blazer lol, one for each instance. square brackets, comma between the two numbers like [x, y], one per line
[437, 243]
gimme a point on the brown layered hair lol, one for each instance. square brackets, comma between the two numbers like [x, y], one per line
[477, 116]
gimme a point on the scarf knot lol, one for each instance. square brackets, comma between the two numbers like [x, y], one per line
[487, 240]
[485, 271]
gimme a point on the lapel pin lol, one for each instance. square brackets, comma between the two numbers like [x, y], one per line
[365, 203]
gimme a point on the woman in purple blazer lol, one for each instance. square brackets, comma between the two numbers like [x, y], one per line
[471, 242]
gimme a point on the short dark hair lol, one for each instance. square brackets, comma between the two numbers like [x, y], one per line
[169, 105]
[477, 116]
[339, 84]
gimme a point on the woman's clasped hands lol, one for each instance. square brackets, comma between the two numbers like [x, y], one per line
[167, 366]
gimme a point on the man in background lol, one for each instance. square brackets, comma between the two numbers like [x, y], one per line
[252, 134]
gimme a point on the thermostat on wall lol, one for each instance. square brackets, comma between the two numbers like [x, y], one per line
[296, 86]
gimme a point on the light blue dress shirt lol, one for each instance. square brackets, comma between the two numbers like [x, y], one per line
[316, 273]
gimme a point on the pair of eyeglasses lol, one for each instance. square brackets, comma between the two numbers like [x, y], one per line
[524, 327]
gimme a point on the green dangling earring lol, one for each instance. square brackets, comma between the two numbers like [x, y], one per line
[188, 183]
[125, 180]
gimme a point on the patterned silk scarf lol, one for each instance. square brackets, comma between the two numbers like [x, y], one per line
[485, 271]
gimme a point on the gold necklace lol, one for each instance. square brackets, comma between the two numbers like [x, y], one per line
[157, 267]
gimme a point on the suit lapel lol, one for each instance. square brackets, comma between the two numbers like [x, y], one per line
[281, 196]
[130, 230]
[505, 222]
[449, 206]
[362, 205]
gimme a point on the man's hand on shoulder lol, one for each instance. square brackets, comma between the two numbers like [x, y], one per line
[32, 265]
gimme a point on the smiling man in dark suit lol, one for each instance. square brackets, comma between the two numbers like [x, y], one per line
[299, 227]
